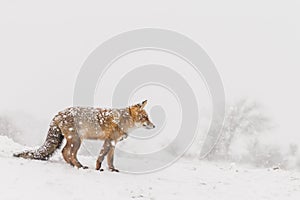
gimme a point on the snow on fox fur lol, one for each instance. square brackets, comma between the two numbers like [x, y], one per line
[78, 123]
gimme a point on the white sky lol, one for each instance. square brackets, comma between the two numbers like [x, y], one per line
[254, 44]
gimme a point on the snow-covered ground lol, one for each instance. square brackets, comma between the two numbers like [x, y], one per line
[185, 179]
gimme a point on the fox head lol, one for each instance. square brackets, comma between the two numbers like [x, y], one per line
[140, 116]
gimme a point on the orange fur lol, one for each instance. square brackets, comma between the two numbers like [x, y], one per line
[78, 123]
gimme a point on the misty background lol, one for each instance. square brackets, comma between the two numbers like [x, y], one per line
[255, 46]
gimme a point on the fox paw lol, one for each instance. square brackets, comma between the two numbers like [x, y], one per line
[99, 168]
[113, 170]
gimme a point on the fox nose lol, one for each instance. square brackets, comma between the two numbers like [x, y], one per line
[150, 126]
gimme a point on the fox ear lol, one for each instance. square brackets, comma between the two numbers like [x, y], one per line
[144, 103]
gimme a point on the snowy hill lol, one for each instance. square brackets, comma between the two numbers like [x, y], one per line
[30, 179]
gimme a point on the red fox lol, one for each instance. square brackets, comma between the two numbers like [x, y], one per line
[78, 123]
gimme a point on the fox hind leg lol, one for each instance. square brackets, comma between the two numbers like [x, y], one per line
[70, 151]
[66, 152]
[75, 145]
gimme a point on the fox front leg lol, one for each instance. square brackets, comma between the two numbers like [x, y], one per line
[110, 159]
[104, 151]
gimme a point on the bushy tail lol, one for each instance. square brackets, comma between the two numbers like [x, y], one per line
[53, 141]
